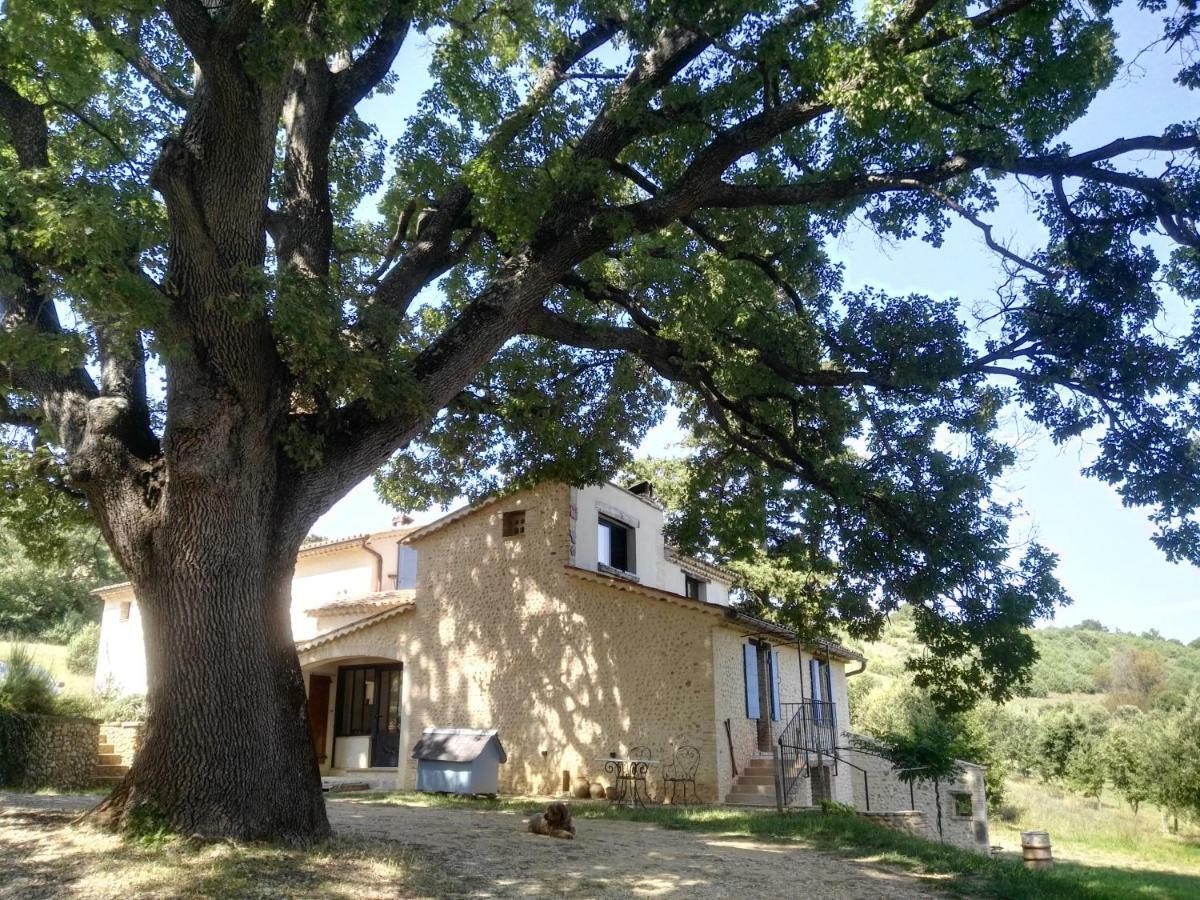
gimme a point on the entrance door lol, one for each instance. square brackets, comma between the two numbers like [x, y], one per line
[368, 706]
[385, 742]
[318, 713]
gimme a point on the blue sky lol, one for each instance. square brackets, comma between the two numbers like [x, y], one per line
[1107, 562]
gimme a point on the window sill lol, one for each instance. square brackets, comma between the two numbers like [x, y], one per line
[615, 572]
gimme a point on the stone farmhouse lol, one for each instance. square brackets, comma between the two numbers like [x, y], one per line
[561, 618]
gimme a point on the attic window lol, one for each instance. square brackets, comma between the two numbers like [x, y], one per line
[693, 587]
[125, 611]
[615, 545]
[963, 805]
[514, 523]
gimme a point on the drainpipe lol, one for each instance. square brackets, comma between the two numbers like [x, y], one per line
[378, 567]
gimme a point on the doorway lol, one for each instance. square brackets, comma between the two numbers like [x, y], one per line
[368, 706]
[318, 713]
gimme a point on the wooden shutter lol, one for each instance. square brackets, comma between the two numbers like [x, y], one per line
[827, 686]
[774, 661]
[750, 670]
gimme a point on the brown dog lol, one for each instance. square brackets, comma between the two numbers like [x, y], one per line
[554, 822]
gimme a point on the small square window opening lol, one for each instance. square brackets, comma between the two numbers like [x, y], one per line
[125, 607]
[693, 587]
[963, 805]
[514, 523]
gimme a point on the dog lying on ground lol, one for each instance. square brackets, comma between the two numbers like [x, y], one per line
[554, 822]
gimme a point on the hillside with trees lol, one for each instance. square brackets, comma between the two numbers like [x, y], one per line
[1104, 713]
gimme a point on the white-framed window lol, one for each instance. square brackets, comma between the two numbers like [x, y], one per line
[694, 587]
[616, 544]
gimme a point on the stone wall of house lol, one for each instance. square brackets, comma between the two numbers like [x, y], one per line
[889, 794]
[61, 753]
[503, 636]
[125, 739]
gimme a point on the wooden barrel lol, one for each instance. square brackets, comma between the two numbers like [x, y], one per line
[1035, 847]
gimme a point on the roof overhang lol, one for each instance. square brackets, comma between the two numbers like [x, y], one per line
[353, 627]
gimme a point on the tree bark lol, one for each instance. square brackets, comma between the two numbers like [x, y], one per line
[226, 751]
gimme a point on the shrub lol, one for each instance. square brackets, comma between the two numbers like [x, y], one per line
[83, 649]
[25, 686]
[110, 705]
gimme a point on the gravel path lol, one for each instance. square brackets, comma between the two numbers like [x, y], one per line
[495, 857]
[619, 859]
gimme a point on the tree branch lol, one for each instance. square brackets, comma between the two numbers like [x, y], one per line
[133, 54]
[352, 84]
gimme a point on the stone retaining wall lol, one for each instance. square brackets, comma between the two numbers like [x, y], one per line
[61, 753]
[910, 821]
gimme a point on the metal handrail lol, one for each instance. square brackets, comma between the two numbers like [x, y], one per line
[811, 731]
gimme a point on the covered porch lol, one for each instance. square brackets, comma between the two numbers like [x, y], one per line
[357, 693]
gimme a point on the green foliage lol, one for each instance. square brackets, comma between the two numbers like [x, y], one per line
[83, 650]
[25, 687]
[48, 594]
[1173, 750]
[1125, 756]
[1137, 669]
[902, 721]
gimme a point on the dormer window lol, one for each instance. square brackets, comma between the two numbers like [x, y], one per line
[615, 546]
[694, 587]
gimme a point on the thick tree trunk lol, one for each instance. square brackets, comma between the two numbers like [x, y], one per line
[227, 751]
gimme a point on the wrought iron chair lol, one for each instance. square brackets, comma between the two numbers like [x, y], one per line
[682, 771]
[633, 777]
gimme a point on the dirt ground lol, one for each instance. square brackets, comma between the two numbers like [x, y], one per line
[475, 853]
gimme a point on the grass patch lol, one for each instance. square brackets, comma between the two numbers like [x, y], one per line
[43, 855]
[1083, 831]
[956, 871]
[53, 658]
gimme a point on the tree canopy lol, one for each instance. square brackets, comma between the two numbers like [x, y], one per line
[211, 330]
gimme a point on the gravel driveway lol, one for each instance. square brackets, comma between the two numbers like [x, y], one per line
[494, 856]
[612, 858]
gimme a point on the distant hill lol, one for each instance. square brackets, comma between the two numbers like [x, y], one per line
[1081, 659]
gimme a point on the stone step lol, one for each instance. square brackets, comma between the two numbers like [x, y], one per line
[107, 780]
[768, 788]
[111, 771]
[111, 759]
[735, 799]
[756, 779]
[104, 748]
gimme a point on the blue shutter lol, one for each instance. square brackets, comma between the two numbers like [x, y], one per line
[750, 669]
[774, 658]
[827, 671]
[406, 568]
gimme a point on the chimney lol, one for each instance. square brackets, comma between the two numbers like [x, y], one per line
[643, 489]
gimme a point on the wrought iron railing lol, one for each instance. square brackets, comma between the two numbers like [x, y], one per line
[807, 740]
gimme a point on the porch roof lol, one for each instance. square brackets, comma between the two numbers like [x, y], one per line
[357, 625]
[363, 603]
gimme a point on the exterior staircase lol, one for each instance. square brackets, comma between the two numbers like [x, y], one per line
[755, 784]
[110, 765]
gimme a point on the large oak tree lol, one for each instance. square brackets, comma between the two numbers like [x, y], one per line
[598, 208]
